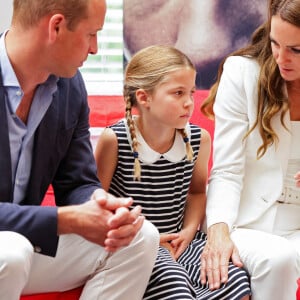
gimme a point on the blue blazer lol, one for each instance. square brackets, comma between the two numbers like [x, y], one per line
[62, 156]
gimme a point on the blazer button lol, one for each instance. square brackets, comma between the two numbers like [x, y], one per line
[37, 249]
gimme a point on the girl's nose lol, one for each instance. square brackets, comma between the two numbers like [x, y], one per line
[189, 101]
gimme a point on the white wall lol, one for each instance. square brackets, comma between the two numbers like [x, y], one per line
[5, 13]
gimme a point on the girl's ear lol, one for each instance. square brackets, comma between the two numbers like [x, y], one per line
[142, 97]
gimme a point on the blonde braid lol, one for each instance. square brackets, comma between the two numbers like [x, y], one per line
[130, 124]
[189, 149]
[146, 70]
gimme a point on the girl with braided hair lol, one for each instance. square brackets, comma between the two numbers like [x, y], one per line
[160, 160]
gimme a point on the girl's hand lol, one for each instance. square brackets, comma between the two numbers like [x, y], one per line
[182, 242]
[297, 178]
[166, 242]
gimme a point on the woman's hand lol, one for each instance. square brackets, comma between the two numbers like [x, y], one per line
[219, 249]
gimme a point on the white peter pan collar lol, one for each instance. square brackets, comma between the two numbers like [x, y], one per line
[150, 156]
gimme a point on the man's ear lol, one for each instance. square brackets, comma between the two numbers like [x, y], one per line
[142, 97]
[56, 24]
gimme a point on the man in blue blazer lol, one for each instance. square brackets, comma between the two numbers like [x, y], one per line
[90, 238]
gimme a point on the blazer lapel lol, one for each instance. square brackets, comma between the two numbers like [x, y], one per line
[284, 135]
[44, 155]
[6, 192]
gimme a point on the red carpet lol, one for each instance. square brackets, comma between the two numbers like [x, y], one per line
[69, 295]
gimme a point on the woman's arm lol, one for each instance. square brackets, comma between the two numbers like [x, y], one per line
[235, 112]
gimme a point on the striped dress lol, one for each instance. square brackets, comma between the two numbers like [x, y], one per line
[162, 193]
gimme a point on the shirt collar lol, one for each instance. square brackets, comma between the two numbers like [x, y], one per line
[9, 77]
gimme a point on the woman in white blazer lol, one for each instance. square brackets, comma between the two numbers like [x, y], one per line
[253, 201]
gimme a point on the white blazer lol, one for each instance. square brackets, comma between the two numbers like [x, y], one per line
[241, 187]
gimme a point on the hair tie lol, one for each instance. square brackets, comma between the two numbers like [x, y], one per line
[135, 154]
[186, 139]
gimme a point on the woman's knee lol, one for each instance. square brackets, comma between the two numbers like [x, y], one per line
[281, 259]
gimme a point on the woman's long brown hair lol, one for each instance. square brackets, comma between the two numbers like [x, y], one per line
[272, 98]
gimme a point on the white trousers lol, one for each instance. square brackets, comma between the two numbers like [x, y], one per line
[272, 258]
[120, 275]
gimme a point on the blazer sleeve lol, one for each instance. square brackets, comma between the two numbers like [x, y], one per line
[62, 156]
[231, 108]
[37, 223]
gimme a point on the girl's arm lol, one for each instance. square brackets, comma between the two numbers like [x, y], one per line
[196, 199]
[106, 156]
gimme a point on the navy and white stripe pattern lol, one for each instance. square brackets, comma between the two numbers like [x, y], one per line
[163, 187]
[162, 193]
